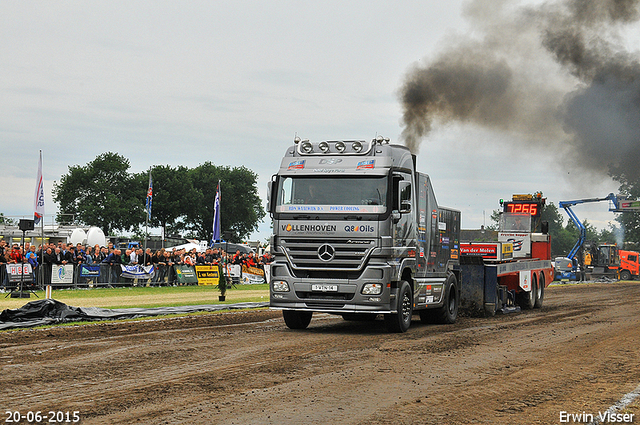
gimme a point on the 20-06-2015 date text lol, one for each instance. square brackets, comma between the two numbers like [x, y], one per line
[49, 417]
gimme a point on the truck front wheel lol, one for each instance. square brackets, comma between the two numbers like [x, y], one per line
[297, 319]
[625, 275]
[401, 320]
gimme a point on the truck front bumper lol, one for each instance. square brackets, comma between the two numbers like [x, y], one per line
[335, 295]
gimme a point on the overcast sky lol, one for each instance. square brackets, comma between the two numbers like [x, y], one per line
[232, 82]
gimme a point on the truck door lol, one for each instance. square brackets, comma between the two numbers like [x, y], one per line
[404, 234]
[424, 217]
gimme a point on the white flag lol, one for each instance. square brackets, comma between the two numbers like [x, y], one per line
[38, 199]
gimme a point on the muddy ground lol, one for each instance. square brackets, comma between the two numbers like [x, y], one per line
[579, 353]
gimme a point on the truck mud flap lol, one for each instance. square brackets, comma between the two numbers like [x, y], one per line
[478, 287]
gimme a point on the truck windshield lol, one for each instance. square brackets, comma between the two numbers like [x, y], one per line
[332, 194]
[515, 222]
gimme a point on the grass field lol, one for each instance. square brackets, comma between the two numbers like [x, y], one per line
[165, 296]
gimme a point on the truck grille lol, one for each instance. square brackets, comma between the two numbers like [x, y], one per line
[327, 254]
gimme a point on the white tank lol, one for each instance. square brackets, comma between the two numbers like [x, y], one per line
[95, 236]
[77, 236]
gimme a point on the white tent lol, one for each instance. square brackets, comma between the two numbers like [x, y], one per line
[188, 246]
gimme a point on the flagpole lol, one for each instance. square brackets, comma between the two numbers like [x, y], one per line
[42, 250]
[146, 224]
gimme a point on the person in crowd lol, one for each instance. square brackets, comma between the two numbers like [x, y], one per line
[169, 272]
[114, 260]
[47, 261]
[187, 259]
[4, 251]
[57, 256]
[200, 259]
[88, 258]
[237, 258]
[250, 261]
[147, 258]
[158, 265]
[32, 257]
[126, 257]
[133, 257]
[16, 254]
[67, 256]
[80, 257]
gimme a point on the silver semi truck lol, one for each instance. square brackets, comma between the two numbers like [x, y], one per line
[357, 232]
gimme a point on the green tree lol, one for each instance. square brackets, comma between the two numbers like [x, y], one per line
[629, 221]
[241, 207]
[7, 221]
[171, 186]
[100, 194]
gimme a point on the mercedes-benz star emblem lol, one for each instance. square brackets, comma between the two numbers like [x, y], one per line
[326, 252]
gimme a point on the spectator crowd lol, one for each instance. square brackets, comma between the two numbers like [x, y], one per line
[110, 258]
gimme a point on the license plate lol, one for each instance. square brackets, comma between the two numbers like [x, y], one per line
[325, 288]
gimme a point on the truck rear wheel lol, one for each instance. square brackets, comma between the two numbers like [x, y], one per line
[401, 320]
[527, 300]
[625, 275]
[297, 319]
[539, 293]
[448, 313]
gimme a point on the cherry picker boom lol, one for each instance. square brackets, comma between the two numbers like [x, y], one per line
[606, 257]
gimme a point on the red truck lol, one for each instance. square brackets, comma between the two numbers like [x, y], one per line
[517, 267]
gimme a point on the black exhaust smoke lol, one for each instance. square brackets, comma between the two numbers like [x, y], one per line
[556, 75]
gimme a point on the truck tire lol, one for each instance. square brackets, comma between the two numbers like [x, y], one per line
[625, 275]
[297, 319]
[448, 313]
[527, 300]
[401, 320]
[540, 293]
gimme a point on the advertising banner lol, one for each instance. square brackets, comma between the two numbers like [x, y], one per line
[62, 273]
[15, 271]
[208, 275]
[89, 270]
[252, 275]
[138, 272]
[186, 274]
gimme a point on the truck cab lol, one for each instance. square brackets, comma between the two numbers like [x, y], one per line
[358, 232]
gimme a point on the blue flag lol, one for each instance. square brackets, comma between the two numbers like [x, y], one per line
[149, 196]
[216, 216]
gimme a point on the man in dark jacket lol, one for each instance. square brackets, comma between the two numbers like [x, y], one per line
[114, 260]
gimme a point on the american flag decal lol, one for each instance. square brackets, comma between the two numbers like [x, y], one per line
[296, 165]
[366, 164]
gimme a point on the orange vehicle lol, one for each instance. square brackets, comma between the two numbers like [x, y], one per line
[611, 262]
[629, 265]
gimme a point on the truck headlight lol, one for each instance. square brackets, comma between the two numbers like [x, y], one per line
[372, 289]
[280, 286]
[306, 147]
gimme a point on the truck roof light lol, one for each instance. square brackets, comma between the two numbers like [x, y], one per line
[324, 147]
[357, 146]
[340, 147]
[306, 146]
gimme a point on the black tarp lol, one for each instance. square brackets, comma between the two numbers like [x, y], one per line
[47, 312]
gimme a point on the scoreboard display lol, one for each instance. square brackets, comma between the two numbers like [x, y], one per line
[532, 208]
[525, 204]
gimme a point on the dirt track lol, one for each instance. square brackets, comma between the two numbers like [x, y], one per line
[579, 353]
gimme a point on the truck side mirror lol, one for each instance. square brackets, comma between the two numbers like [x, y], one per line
[404, 196]
[271, 196]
